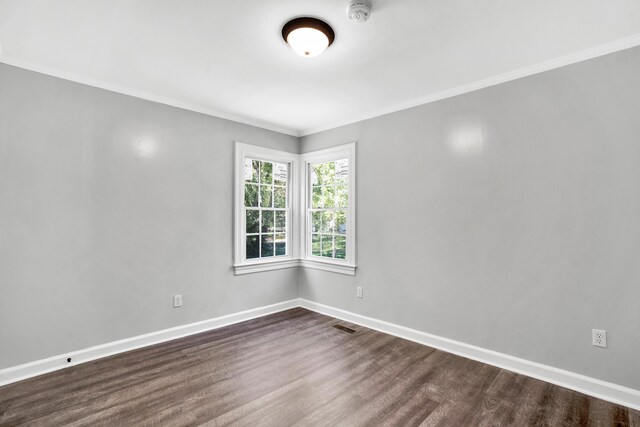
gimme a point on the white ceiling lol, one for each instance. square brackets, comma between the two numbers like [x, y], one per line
[227, 58]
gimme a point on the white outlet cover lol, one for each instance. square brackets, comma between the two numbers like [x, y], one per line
[359, 291]
[599, 338]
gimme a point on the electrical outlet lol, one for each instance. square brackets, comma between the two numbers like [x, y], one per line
[599, 337]
[177, 301]
[359, 291]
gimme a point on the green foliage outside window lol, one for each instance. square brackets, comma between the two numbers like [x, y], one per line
[329, 205]
[265, 202]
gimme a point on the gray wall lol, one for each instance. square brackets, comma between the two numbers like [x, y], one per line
[95, 238]
[508, 218]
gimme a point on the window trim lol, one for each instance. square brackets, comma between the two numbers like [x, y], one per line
[297, 232]
[244, 266]
[348, 265]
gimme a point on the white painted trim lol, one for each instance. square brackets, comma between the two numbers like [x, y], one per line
[334, 267]
[240, 264]
[43, 366]
[101, 84]
[593, 387]
[299, 200]
[265, 266]
[348, 265]
[572, 58]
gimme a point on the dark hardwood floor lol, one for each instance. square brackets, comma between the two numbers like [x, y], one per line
[295, 368]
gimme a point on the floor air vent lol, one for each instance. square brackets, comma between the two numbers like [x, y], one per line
[344, 329]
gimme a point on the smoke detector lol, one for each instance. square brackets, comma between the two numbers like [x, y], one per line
[359, 11]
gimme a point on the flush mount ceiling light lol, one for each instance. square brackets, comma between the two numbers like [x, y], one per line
[308, 37]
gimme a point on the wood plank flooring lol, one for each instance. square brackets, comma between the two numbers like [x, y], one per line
[295, 369]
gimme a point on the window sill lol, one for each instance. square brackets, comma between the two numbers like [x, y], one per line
[265, 266]
[347, 269]
[334, 267]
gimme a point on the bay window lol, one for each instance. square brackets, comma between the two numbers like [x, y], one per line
[293, 210]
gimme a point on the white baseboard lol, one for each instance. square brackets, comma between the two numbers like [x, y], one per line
[43, 366]
[581, 383]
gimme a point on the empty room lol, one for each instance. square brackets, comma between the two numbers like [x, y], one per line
[319, 213]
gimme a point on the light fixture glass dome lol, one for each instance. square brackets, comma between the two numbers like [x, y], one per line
[308, 42]
[308, 37]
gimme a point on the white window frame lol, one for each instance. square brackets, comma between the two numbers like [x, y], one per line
[299, 223]
[343, 266]
[292, 259]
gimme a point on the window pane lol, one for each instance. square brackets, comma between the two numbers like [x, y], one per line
[253, 221]
[342, 171]
[342, 196]
[317, 198]
[253, 250]
[265, 196]
[315, 245]
[281, 221]
[251, 195]
[328, 173]
[251, 168]
[266, 200]
[316, 221]
[329, 189]
[267, 221]
[267, 245]
[255, 164]
[328, 196]
[316, 174]
[327, 245]
[266, 172]
[324, 173]
[341, 247]
[340, 222]
[280, 171]
[327, 222]
[280, 197]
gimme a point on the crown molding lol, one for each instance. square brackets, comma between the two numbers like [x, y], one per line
[572, 58]
[42, 69]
